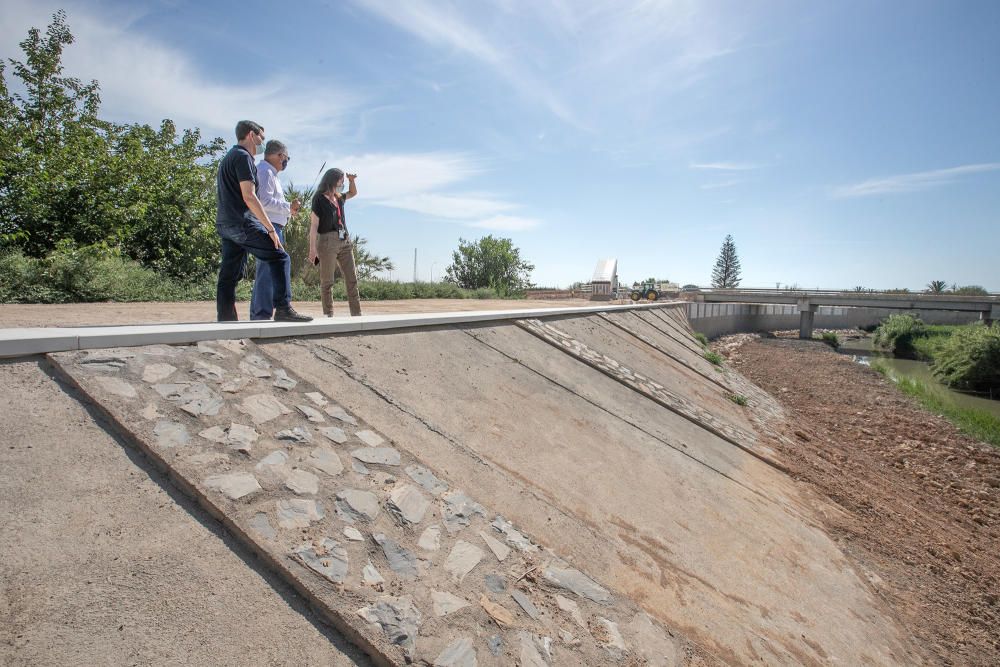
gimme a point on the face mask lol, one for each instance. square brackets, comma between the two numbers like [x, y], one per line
[284, 165]
[260, 148]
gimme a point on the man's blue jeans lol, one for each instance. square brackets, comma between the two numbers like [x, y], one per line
[262, 299]
[238, 240]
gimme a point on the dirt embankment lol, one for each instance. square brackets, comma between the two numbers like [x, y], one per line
[920, 501]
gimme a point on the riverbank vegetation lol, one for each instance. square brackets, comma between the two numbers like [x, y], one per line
[976, 423]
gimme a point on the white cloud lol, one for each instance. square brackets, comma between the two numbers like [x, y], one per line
[145, 80]
[721, 184]
[459, 207]
[725, 166]
[406, 176]
[914, 182]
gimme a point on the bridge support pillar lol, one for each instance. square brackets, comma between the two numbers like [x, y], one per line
[807, 312]
[990, 316]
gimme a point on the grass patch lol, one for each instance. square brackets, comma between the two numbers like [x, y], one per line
[738, 399]
[979, 424]
[831, 339]
[701, 338]
[713, 357]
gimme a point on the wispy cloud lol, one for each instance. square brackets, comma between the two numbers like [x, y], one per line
[144, 80]
[914, 182]
[385, 177]
[721, 184]
[725, 166]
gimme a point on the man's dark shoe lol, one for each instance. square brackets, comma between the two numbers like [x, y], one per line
[289, 315]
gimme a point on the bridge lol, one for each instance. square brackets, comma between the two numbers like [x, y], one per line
[808, 301]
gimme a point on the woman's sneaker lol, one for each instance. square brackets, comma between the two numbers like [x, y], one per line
[290, 315]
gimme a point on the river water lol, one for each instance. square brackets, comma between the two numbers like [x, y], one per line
[860, 349]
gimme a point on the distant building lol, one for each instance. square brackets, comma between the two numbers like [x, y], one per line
[605, 282]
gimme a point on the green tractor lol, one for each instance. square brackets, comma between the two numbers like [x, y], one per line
[647, 292]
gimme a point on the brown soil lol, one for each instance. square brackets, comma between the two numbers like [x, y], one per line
[87, 314]
[921, 516]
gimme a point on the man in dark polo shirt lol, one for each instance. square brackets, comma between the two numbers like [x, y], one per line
[245, 228]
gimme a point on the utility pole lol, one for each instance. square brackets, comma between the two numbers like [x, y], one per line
[414, 265]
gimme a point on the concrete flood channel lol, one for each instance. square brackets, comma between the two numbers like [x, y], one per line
[575, 490]
[861, 349]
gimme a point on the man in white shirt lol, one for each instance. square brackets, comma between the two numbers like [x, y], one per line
[272, 198]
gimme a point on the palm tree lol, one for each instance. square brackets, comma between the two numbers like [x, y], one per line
[937, 286]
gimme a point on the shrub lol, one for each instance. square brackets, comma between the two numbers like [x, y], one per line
[969, 358]
[831, 339]
[738, 399]
[701, 338]
[714, 358]
[897, 333]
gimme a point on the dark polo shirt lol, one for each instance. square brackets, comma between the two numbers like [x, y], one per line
[331, 218]
[235, 167]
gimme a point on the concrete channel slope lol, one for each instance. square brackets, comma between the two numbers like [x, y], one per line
[568, 490]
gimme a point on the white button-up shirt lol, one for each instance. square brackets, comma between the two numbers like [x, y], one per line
[271, 194]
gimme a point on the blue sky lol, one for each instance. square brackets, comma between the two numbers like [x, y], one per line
[841, 144]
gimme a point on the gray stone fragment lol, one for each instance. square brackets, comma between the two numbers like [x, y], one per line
[567, 638]
[652, 642]
[294, 434]
[407, 504]
[445, 603]
[398, 617]
[235, 385]
[205, 348]
[370, 576]
[612, 641]
[240, 437]
[430, 539]
[215, 434]
[150, 412]
[530, 657]
[462, 559]
[260, 524]
[311, 413]
[338, 412]
[359, 467]
[233, 485]
[426, 479]
[458, 510]
[116, 386]
[256, 365]
[495, 583]
[195, 398]
[170, 434]
[571, 608]
[282, 381]
[577, 582]
[317, 398]
[494, 644]
[370, 438]
[325, 460]
[512, 535]
[302, 483]
[522, 600]
[298, 512]
[377, 455]
[358, 505]
[401, 561]
[208, 371]
[105, 360]
[353, 534]
[337, 435]
[457, 654]
[328, 558]
[237, 345]
[262, 408]
[499, 549]
[154, 373]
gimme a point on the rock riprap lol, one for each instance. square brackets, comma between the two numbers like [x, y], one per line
[436, 578]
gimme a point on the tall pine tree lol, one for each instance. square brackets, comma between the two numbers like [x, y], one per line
[726, 273]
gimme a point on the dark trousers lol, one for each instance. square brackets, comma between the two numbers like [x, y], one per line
[261, 301]
[238, 240]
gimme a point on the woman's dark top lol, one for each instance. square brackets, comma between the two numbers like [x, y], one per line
[331, 217]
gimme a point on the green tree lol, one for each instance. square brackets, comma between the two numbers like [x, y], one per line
[969, 290]
[67, 176]
[369, 265]
[489, 262]
[937, 286]
[726, 273]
